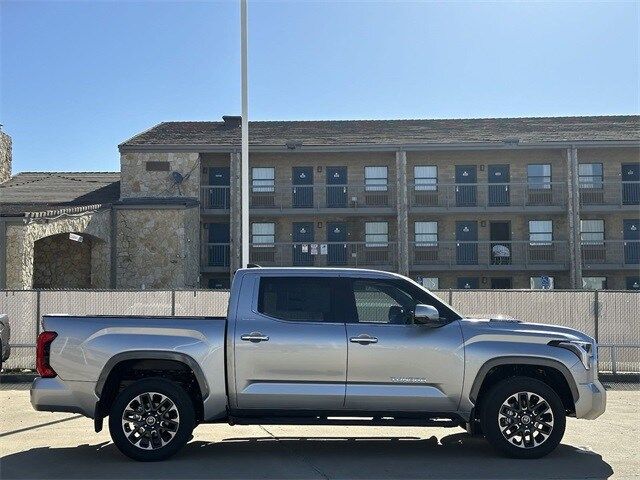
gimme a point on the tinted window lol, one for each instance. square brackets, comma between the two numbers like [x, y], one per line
[296, 298]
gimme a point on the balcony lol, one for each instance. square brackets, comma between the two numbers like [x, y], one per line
[328, 254]
[597, 195]
[215, 257]
[611, 254]
[512, 255]
[487, 196]
[292, 199]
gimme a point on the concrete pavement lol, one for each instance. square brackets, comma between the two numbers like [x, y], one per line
[46, 445]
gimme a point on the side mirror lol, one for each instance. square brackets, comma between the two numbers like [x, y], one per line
[426, 315]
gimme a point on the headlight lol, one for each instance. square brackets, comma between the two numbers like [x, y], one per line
[583, 350]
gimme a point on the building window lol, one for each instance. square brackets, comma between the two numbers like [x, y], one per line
[263, 234]
[376, 179]
[592, 232]
[263, 179]
[541, 283]
[539, 176]
[540, 232]
[426, 234]
[425, 178]
[590, 175]
[431, 283]
[594, 283]
[376, 234]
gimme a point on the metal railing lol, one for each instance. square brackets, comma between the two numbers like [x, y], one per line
[613, 253]
[609, 192]
[465, 195]
[490, 254]
[216, 254]
[331, 254]
[616, 356]
[215, 198]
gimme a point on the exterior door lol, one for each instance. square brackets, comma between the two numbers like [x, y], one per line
[393, 364]
[219, 197]
[633, 283]
[499, 178]
[467, 243]
[218, 248]
[467, 283]
[631, 183]
[337, 248]
[501, 283]
[290, 345]
[466, 194]
[631, 241]
[336, 187]
[501, 251]
[302, 187]
[302, 244]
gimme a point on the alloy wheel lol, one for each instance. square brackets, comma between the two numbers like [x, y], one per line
[150, 420]
[525, 419]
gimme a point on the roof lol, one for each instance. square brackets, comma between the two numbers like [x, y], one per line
[44, 191]
[394, 132]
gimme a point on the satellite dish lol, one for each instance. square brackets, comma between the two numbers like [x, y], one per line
[177, 177]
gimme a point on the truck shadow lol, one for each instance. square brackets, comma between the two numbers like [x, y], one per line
[455, 456]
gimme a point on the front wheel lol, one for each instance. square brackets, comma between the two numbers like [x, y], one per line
[151, 419]
[523, 417]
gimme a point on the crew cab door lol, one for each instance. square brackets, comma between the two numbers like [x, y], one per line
[290, 345]
[395, 365]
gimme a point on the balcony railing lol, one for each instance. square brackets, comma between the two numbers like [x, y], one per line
[490, 254]
[215, 255]
[487, 195]
[609, 192]
[330, 254]
[611, 253]
[282, 197]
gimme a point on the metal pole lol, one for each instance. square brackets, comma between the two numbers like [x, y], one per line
[245, 137]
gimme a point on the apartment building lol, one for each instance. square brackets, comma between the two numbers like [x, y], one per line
[488, 203]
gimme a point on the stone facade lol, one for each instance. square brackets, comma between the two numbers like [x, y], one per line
[5, 157]
[157, 248]
[151, 175]
[59, 262]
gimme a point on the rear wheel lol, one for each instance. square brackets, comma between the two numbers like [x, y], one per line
[151, 419]
[523, 417]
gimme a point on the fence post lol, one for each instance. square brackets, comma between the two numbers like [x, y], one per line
[451, 297]
[596, 313]
[173, 303]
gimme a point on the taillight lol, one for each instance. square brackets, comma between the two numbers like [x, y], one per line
[43, 347]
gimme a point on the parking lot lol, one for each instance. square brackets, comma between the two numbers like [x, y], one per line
[39, 444]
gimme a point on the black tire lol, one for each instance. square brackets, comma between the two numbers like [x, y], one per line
[534, 419]
[164, 415]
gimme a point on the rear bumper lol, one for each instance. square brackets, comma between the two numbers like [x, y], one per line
[56, 395]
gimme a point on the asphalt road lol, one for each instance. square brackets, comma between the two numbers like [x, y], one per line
[47, 445]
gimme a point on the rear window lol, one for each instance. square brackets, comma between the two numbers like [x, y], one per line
[299, 299]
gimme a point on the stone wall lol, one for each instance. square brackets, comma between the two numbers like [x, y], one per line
[142, 179]
[5, 157]
[59, 262]
[157, 248]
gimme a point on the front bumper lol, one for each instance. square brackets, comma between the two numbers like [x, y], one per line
[592, 400]
[56, 395]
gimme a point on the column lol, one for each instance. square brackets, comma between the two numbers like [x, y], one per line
[573, 218]
[235, 220]
[402, 211]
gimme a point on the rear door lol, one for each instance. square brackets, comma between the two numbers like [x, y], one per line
[290, 345]
[393, 364]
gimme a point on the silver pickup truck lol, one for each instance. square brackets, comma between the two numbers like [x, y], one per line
[319, 346]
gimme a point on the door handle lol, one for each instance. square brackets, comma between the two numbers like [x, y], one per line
[254, 337]
[363, 339]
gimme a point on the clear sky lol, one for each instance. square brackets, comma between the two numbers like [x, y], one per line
[77, 78]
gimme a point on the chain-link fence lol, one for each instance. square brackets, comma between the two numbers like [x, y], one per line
[612, 317]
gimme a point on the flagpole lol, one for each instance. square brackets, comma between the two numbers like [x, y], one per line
[245, 136]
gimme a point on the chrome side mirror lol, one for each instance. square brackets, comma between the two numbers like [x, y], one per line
[426, 314]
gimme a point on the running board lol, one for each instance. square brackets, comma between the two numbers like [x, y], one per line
[331, 420]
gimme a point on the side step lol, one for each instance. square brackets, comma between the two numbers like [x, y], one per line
[331, 420]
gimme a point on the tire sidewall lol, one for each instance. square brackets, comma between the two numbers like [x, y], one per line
[491, 406]
[176, 394]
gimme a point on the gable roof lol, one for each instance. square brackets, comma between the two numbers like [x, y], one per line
[393, 132]
[42, 191]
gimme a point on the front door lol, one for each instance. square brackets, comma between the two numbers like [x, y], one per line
[633, 283]
[631, 241]
[218, 245]
[468, 283]
[466, 188]
[393, 364]
[302, 187]
[219, 193]
[290, 345]
[337, 248]
[499, 179]
[303, 253]
[336, 187]
[500, 234]
[467, 243]
[631, 183]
